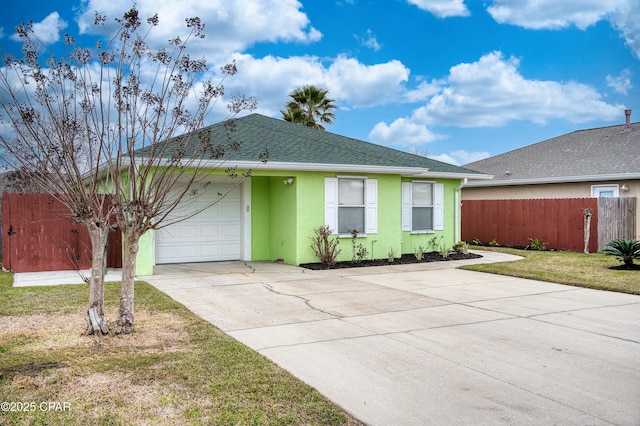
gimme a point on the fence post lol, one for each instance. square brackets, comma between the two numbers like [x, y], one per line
[587, 228]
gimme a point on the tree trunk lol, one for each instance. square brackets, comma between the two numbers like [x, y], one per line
[587, 228]
[95, 313]
[124, 324]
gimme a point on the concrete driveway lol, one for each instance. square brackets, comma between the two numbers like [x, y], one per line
[429, 344]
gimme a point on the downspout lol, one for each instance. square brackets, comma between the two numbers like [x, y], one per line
[456, 209]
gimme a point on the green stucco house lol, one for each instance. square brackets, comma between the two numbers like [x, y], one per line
[394, 200]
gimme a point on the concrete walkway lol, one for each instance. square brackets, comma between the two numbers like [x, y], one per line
[429, 344]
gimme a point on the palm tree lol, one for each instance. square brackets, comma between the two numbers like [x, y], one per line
[309, 106]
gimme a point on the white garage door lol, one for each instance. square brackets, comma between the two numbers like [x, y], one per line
[213, 234]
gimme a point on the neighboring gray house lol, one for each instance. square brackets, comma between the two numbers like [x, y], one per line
[600, 162]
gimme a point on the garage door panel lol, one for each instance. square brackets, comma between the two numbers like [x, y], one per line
[211, 231]
[189, 252]
[230, 251]
[230, 230]
[188, 232]
[212, 234]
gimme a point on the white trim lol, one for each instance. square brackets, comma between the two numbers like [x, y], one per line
[596, 189]
[415, 172]
[438, 206]
[561, 179]
[245, 220]
[371, 206]
[456, 210]
[407, 205]
[351, 177]
[331, 204]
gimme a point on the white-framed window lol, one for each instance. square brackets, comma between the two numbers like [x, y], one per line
[598, 191]
[351, 202]
[422, 206]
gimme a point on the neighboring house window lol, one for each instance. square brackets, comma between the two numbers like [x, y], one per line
[598, 191]
[351, 203]
[422, 206]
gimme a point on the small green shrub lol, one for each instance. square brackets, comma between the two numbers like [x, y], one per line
[476, 242]
[391, 256]
[359, 250]
[462, 247]
[444, 250]
[434, 243]
[419, 253]
[625, 250]
[325, 247]
[537, 244]
[494, 243]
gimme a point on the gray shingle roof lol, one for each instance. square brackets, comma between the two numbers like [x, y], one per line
[294, 143]
[609, 150]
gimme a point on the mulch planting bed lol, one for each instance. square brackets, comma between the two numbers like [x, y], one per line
[403, 260]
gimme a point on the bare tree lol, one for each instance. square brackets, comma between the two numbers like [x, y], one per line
[47, 147]
[422, 152]
[139, 112]
[164, 151]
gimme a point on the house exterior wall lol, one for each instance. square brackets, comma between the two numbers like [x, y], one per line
[283, 219]
[552, 190]
[289, 214]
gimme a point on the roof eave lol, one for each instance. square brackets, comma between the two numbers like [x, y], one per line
[413, 172]
[353, 168]
[559, 179]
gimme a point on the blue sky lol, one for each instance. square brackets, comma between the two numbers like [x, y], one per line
[459, 79]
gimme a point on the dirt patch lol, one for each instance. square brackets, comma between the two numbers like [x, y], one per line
[405, 259]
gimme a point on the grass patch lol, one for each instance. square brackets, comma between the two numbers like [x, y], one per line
[175, 369]
[563, 267]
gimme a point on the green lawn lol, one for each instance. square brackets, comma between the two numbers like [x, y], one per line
[175, 369]
[578, 269]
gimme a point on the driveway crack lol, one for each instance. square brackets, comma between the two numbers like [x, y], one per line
[306, 301]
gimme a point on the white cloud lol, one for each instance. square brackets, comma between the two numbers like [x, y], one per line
[626, 20]
[620, 84]
[349, 82]
[402, 132]
[370, 41]
[550, 14]
[461, 157]
[424, 91]
[48, 30]
[491, 92]
[363, 85]
[230, 26]
[442, 8]
[270, 79]
[555, 14]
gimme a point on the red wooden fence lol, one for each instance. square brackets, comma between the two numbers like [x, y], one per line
[39, 235]
[557, 222]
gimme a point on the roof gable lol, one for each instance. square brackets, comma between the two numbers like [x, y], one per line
[297, 144]
[605, 151]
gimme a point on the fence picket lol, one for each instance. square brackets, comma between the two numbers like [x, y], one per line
[558, 222]
[39, 235]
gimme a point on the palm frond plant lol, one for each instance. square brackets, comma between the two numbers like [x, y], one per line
[625, 250]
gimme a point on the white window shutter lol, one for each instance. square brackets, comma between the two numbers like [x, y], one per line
[438, 207]
[406, 206]
[331, 204]
[371, 207]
